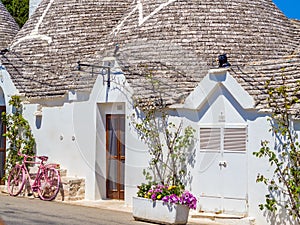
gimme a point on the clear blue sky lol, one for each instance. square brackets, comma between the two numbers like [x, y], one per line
[291, 8]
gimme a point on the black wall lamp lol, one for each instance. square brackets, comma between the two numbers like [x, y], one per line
[3, 51]
[223, 61]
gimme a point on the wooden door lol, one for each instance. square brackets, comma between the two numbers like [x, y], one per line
[115, 160]
[2, 146]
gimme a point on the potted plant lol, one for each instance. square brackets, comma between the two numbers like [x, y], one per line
[164, 198]
[163, 204]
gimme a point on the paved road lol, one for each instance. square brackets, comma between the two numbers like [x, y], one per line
[25, 211]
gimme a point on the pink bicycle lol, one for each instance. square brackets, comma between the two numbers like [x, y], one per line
[46, 181]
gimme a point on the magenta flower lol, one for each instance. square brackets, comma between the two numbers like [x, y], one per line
[171, 194]
[189, 200]
[166, 199]
[174, 198]
[153, 196]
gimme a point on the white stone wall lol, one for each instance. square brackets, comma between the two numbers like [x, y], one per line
[73, 134]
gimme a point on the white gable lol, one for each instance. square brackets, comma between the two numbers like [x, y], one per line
[216, 80]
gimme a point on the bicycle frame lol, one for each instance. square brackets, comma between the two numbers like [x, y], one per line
[46, 181]
[33, 183]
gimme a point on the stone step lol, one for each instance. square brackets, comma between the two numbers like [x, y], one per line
[3, 189]
[72, 189]
[63, 172]
[227, 219]
[34, 169]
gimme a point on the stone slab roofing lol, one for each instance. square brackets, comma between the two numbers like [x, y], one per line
[283, 71]
[8, 27]
[187, 36]
[172, 41]
[56, 36]
[296, 23]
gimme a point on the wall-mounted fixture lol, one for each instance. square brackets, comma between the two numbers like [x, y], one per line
[39, 111]
[223, 61]
[3, 51]
[105, 69]
[72, 95]
[222, 117]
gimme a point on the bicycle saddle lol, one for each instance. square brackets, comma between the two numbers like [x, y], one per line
[43, 158]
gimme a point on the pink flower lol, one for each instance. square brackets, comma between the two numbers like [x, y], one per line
[153, 196]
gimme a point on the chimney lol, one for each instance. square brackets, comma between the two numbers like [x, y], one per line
[33, 4]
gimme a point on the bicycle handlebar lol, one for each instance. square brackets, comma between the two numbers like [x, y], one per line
[42, 158]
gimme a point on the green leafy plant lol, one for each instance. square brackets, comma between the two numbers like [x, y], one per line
[284, 185]
[19, 9]
[18, 134]
[168, 146]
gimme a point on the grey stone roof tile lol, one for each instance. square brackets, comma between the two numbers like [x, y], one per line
[253, 78]
[45, 52]
[8, 27]
[296, 23]
[174, 41]
[189, 35]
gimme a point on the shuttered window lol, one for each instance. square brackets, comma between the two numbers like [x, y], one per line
[210, 139]
[223, 139]
[235, 139]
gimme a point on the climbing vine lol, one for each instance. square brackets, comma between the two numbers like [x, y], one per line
[284, 157]
[18, 133]
[169, 145]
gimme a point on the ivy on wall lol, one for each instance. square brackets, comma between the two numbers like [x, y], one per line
[18, 134]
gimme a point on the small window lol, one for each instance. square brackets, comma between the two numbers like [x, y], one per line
[235, 139]
[210, 139]
[223, 139]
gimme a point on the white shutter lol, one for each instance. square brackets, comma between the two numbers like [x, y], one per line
[210, 139]
[235, 139]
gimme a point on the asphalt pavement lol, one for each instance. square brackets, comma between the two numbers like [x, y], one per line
[33, 211]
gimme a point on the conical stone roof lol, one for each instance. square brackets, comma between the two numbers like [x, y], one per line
[174, 41]
[284, 71]
[56, 36]
[297, 26]
[177, 41]
[8, 27]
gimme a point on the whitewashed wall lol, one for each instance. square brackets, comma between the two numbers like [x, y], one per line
[7, 86]
[73, 134]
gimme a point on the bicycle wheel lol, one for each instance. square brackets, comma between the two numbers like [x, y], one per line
[48, 184]
[16, 180]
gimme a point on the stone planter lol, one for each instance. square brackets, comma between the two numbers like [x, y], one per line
[159, 212]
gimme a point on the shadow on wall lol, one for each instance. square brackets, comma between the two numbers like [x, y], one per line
[279, 218]
[278, 190]
[191, 156]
